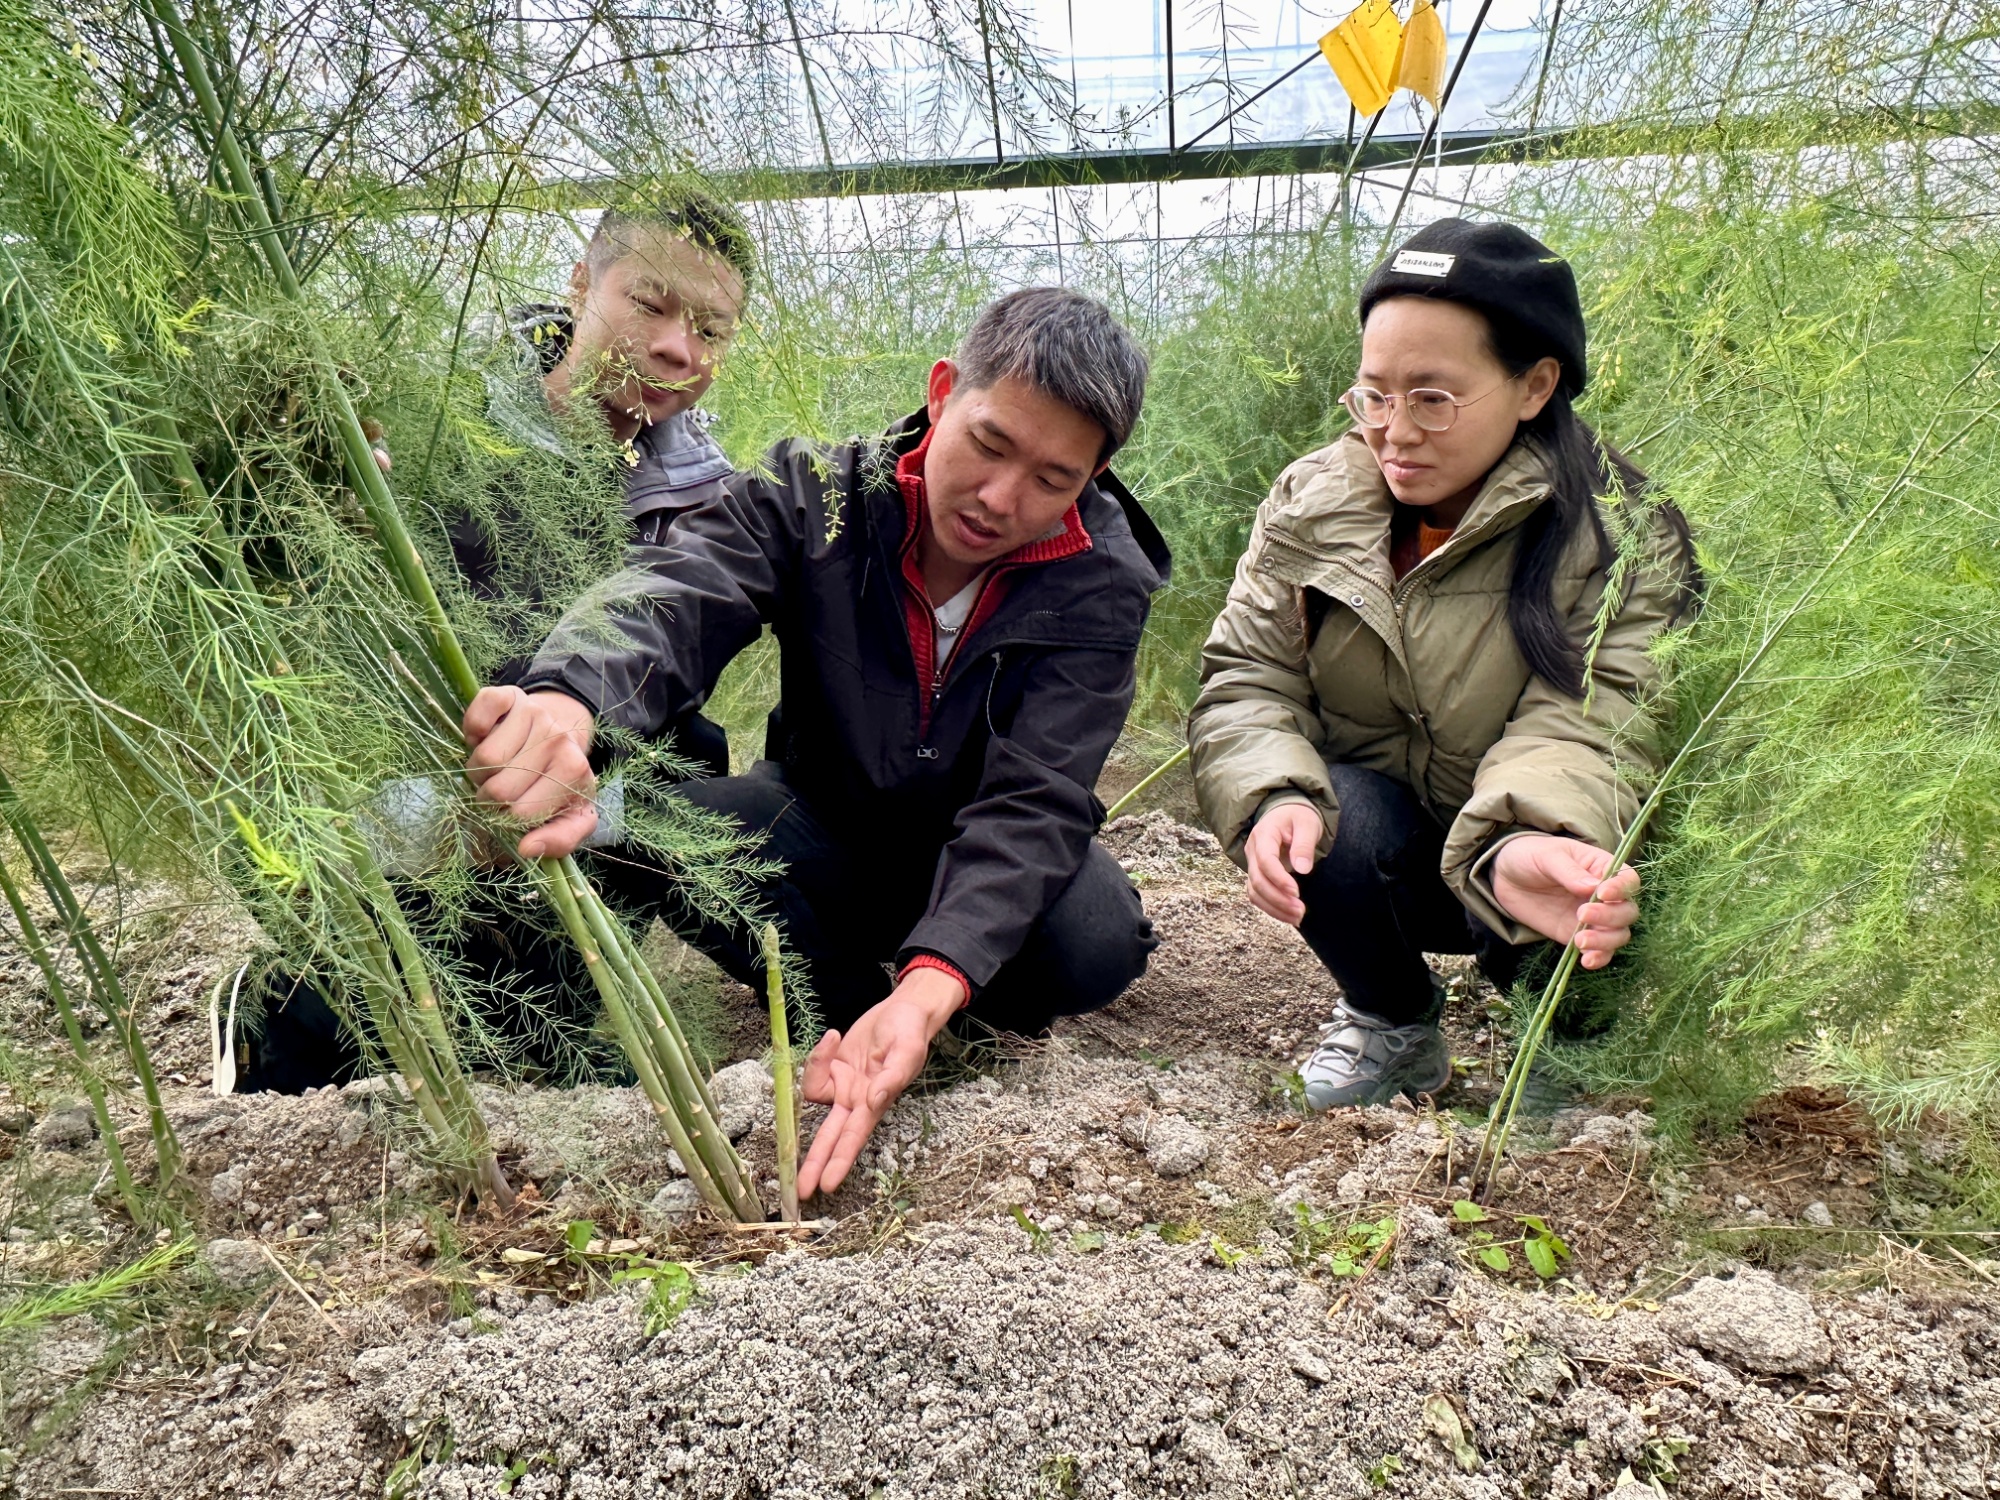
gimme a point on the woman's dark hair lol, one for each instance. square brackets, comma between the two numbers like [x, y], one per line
[1581, 466]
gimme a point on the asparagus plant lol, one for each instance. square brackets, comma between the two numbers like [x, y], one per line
[1930, 447]
[638, 1009]
[198, 711]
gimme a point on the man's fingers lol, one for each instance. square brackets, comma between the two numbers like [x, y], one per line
[561, 835]
[821, 1149]
[817, 1085]
[899, 1068]
[532, 793]
[505, 736]
[854, 1133]
[488, 707]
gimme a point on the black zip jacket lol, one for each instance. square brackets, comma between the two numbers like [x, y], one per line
[986, 773]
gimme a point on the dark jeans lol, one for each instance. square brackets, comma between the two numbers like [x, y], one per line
[845, 906]
[531, 996]
[841, 905]
[1377, 903]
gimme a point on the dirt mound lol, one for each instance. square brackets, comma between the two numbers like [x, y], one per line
[974, 1363]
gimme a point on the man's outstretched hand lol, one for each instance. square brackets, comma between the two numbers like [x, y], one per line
[1565, 889]
[529, 753]
[862, 1071]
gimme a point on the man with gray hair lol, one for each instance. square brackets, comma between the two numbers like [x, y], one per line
[958, 605]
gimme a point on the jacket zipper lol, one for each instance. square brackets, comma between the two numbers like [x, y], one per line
[940, 666]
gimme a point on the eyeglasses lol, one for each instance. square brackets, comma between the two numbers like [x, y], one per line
[1432, 410]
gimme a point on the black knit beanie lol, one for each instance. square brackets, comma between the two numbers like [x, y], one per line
[1504, 272]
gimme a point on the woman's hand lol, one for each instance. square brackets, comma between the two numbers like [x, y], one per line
[1281, 847]
[1565, 890]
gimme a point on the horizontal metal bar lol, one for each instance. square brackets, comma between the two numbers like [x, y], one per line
[1100, 168]
[1973, 119]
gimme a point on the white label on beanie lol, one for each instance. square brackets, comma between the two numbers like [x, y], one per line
[1422, 263]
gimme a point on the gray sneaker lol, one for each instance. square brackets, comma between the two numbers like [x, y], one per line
[1363, 1060]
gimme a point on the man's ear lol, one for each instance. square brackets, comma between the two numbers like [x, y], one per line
[944, 379]
[579, 286]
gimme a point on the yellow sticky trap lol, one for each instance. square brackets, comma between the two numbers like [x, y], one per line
[1365, 52]
[1422, 67]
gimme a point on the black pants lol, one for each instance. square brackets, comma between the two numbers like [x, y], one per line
[845, 906]
[841, 906]
[1377, 903]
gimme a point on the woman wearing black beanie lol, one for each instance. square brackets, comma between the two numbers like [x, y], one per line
[1424, 718]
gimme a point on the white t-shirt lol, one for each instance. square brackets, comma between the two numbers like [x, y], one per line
[948, 622]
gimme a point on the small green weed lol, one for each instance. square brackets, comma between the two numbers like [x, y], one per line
[1288, 1091]
[432, 1444]
[670, 1288]
[1062, 1476]
[1444, 1422]
[1321, 1242]
[1038, 1237]
[1226, 1255]
[1384, 1469]
[890, 1212]
[1542, 1248]
[1657, 1459]
[518, 1469]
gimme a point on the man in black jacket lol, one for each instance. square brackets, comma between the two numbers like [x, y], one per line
[958, 606]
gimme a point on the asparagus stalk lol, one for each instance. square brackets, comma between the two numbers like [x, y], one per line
[667, 1107]
[31, 939]
[785, 1107]
[99, 974]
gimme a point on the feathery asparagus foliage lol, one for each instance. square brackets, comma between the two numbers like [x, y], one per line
[46, 1305]
[230, 636]
[1788, 302]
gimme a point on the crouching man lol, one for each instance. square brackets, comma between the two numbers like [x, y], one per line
[958, 605]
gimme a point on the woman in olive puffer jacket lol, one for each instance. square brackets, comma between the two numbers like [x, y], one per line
[1425, 710]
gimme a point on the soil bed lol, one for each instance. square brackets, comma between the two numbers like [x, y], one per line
[1114, 1263]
